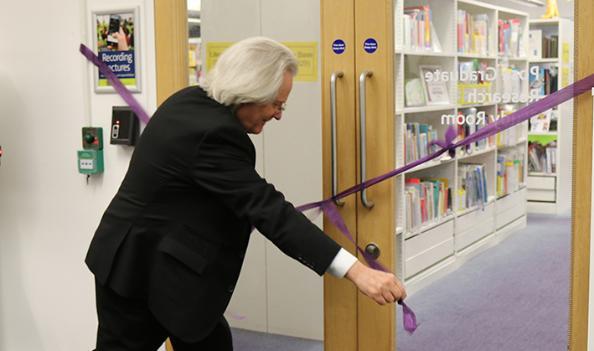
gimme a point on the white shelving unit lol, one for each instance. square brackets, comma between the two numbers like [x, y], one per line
[546, 192]
[437, 243]
[194, 42]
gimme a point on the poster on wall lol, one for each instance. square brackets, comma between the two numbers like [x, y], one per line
[115, 35]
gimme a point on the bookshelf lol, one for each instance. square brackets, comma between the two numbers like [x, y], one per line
[464, 38]
[550, 135]
[195, 69]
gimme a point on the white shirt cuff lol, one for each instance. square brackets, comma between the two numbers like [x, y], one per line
[343, 261]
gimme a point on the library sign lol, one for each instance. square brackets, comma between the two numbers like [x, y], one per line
[476, 87]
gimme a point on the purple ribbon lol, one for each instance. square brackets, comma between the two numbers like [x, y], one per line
[447, 145]
[408, 316]
[115, 83]
[506, 122]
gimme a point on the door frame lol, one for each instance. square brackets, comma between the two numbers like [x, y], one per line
[581, 201]
[171, 53]
[171, 47]
[172, 74]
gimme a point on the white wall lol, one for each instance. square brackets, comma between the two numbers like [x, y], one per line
[293, 162]
[275, 293]
[231, 21]
[47, 211]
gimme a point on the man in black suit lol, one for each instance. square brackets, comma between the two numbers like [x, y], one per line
[169, 248]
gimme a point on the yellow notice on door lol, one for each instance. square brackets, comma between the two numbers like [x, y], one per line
[306, 53]
[307, 57]
[214, 49]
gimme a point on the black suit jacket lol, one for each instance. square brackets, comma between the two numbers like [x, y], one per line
[177, 230]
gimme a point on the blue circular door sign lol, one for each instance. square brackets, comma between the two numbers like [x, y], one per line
[370, 45]
[338, 46]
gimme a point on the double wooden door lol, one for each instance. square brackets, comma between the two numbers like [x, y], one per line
[357, 48]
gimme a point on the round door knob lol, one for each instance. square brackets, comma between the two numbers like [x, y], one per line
[373, 250]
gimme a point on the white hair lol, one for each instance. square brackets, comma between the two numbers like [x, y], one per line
[250, 71]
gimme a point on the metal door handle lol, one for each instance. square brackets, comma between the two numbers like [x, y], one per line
[362, 135]
[333, 79]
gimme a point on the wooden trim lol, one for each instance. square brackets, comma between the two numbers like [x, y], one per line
[582, 180]
[171, 52]
[171, 46]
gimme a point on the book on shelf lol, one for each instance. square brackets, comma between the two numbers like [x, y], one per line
[510, 172]
[473, 86]
[418, 30]
[542, 158]
[550, 46]
[543, 122]
[510, 136]
[473, 33]
[473, 71]
[472, 182]
[426, 200]
[474, 121]
[510, 38]
[414, 94]
[417, 138]
[509, 80]
[535, 43]
[545, 81]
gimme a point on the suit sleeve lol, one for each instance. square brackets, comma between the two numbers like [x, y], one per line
[224, 166]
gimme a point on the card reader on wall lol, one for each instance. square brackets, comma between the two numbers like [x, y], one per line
[125, 127]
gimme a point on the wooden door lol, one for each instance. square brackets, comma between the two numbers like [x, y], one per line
[374, 37]
[340, 295]
[352, 320]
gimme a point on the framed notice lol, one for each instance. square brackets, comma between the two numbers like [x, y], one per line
[434, 85]
[115, 39]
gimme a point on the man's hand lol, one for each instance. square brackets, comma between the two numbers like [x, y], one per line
[382, 287]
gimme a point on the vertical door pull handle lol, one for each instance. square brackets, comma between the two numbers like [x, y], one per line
[335, 76]
[362, 135]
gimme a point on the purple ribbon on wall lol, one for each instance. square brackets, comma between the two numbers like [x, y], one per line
[447, 145]
[115, 83]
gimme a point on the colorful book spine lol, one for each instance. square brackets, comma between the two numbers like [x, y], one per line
[473, 33]
[510, 38]
[472, 183]
[510, 172]
[417, 28]
[417, 140]
[426, 200]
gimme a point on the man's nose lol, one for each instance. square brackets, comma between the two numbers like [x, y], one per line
[278, 115]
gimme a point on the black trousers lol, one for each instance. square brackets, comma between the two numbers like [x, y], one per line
[128, 325]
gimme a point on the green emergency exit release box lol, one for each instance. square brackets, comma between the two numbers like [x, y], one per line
[90, 161]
